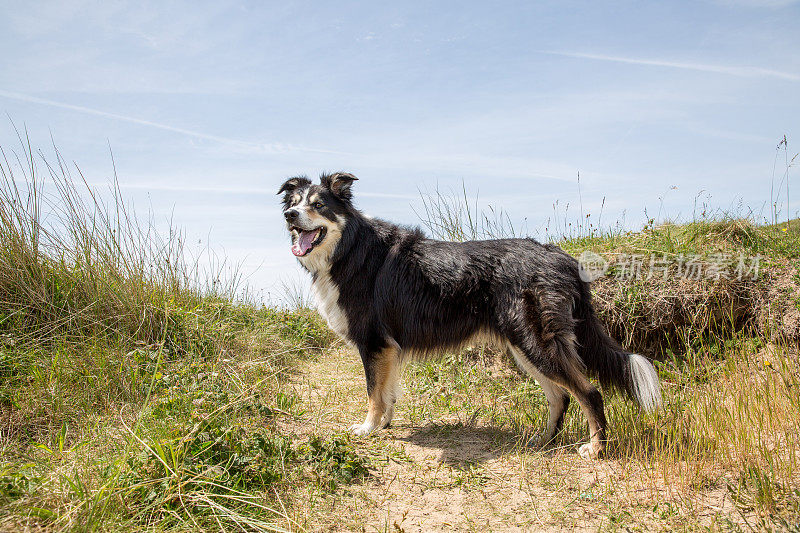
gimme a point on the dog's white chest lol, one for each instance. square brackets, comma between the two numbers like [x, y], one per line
[327, 296]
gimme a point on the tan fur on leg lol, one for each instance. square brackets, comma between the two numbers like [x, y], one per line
[384, 393]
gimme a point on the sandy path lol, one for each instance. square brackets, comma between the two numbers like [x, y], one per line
[447, 475]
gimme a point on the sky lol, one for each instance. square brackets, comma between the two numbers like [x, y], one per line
[209, 106]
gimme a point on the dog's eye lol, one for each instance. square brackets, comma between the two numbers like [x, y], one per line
[318, 205]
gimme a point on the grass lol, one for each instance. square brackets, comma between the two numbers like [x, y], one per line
[131, 394]
[136, 396]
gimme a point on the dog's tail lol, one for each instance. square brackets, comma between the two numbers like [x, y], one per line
[610, 363]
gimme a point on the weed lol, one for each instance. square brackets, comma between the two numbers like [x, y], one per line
[18, 480]
[333, 460]
[756, 489]
[215, 467]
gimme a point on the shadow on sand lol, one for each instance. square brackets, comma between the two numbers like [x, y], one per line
[463, 446]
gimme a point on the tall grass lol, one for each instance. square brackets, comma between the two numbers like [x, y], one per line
[76, 263]
[138, 388]
[137, 394]
[782, 149]
[454, 217]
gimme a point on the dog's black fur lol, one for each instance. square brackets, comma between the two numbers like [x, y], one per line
[402, 294]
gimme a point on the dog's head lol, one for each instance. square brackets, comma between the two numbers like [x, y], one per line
[316, 214]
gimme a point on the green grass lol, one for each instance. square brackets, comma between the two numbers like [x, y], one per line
[194, 431]
[132, 395]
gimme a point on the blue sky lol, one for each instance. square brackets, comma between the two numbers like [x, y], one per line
[208, 106]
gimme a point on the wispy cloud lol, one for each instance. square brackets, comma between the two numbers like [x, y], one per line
[744, 72]
[757, 3]
[256, 147]
[238, 190]
[193, 188]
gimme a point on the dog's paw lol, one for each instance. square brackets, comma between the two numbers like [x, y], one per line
[362, 429]
[535, 441]
[588, 451]
[540, 440]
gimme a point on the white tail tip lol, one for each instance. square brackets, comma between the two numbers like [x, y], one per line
[646, 386]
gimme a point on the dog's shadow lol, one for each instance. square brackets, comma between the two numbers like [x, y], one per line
[463, 446]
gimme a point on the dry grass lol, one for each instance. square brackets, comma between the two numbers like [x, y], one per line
[672, 302]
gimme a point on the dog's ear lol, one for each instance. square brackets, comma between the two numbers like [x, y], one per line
[293, 183]
[339, 183]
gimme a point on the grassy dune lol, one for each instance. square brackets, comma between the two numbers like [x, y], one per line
[136, 396]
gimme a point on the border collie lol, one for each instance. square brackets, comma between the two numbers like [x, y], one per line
[395, 294]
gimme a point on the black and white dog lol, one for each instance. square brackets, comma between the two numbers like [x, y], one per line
[395, 294]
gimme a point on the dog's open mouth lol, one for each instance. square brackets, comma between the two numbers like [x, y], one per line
[307, 240]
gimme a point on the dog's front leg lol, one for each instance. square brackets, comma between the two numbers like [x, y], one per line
[382, 370]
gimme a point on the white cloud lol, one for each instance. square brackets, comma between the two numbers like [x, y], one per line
[159, 185]
[757, 3]
[741, 71]
[245, 146]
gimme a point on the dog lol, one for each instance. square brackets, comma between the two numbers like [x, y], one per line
[395, 294]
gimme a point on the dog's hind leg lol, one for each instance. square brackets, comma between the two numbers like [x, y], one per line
[591, 402]
[557, 398]
[548, 343]
[557, 370]
[382, 370]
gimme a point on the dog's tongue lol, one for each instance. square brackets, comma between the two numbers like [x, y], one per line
[303, 244]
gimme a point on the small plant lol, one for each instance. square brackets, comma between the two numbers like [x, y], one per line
[230, 473]
[333, 460]
[757, 489]
[17, 481]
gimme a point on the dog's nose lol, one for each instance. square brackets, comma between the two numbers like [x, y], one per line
[290, 215]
